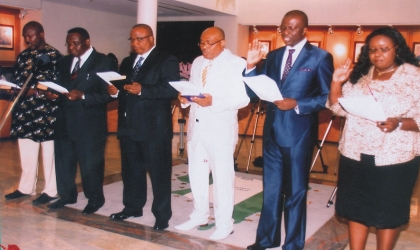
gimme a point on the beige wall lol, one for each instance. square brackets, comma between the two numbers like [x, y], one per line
[335, 12]
[108, 32]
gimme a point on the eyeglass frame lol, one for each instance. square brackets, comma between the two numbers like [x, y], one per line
[380, 50]
[138, 39]
[207, 43]
[75, 44]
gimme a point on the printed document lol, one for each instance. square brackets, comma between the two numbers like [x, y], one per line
[8, 85]
[53, 87]
[364, 106]
[110, 76]
[264, 87]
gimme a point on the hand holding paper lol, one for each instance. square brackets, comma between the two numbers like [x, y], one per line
[110, 76]
[52, 87]
[364, 107]
[264, 87]
[186, 89]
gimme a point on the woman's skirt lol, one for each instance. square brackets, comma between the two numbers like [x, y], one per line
[375, 196]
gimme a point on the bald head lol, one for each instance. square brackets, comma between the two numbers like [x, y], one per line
[212, 42]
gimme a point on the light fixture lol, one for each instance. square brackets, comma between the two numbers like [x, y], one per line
[255, 29]
[359, 30]
[330, 30]
[278, 30]
[22, 13]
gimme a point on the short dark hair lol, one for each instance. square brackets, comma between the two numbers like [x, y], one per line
[404, 53]
[35, 25]
[298, 13]
[83, 33]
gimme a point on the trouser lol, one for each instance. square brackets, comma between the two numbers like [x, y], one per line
[29, 151]
[217, 156]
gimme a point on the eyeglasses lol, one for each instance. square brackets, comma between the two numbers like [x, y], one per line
[138, 39]
[380, 50]
[207, 43]
[75, 44]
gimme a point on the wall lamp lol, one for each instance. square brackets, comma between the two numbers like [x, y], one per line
[22, 14]
[278, 30]
[359, 30]
[330, 30]
[254, 28]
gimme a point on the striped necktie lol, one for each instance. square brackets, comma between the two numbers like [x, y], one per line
[75, 69]
[136, 68]
[204, 73]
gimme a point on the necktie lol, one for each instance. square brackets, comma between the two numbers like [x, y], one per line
[288, 66]
[204, 73]
[75, 69]
[136, 68]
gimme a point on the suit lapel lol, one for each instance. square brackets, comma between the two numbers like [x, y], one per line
[302, 57]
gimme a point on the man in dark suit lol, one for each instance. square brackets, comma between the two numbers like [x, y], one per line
[145, 126]
[82, 122]
[303, 74]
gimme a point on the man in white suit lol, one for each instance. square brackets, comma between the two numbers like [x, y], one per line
[213, 131]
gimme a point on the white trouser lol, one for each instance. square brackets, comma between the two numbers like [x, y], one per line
[215, 154]
[29, 151]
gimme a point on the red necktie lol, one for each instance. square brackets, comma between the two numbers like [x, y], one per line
[75, 69]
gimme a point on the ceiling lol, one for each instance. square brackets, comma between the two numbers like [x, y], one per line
[129, 7]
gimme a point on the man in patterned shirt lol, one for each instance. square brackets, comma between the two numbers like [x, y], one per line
[34, 115]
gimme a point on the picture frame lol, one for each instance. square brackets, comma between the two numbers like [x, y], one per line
[315, 43]
[416, 48]
[357, 48]
[6, 37]
[265, 46]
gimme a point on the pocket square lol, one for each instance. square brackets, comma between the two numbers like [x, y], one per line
[306, 69]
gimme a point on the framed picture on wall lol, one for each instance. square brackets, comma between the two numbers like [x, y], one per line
[416, 49]
[265, 46]
[6, 36]
[314, 43]
[357, 48]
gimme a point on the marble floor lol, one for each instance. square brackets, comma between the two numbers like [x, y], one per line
[36, 227]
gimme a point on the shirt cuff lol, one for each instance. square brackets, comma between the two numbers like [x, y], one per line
[249, 70]
[297, 109]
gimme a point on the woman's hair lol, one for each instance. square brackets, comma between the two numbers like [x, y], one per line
[404, 54]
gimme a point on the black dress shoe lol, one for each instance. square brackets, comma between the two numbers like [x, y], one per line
[124, 215]
[255, 246]
[61, 203]
[160, 225]
[91, 208]
[43, 198]
[16, 194]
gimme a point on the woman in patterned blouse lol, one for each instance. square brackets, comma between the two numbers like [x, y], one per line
[379, 160]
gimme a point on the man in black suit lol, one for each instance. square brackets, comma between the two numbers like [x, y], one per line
[82, 122]
[145, 126]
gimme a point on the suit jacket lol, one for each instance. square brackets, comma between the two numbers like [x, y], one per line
[86, 119]
[224, 83]
[309, 83]
[148, 116]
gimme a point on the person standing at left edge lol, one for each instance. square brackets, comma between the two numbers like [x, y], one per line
[34, 116]
[82, 122]
[145, 126]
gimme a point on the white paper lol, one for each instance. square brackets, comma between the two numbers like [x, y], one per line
[186, 88]
[264, 87]
[55, 87]
[9, 84]
[364, 106]
[110, 76]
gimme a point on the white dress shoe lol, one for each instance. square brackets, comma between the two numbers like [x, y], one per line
[220, 234]
[190, 224]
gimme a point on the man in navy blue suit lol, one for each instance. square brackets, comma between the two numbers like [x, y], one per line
[303, 74]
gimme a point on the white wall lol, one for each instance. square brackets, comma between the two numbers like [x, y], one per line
[108, 32]
[324, 12]
[25, 4]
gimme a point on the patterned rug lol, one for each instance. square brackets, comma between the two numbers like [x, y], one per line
[248, 200]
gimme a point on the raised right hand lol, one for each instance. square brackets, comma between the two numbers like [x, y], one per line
[255, 54]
